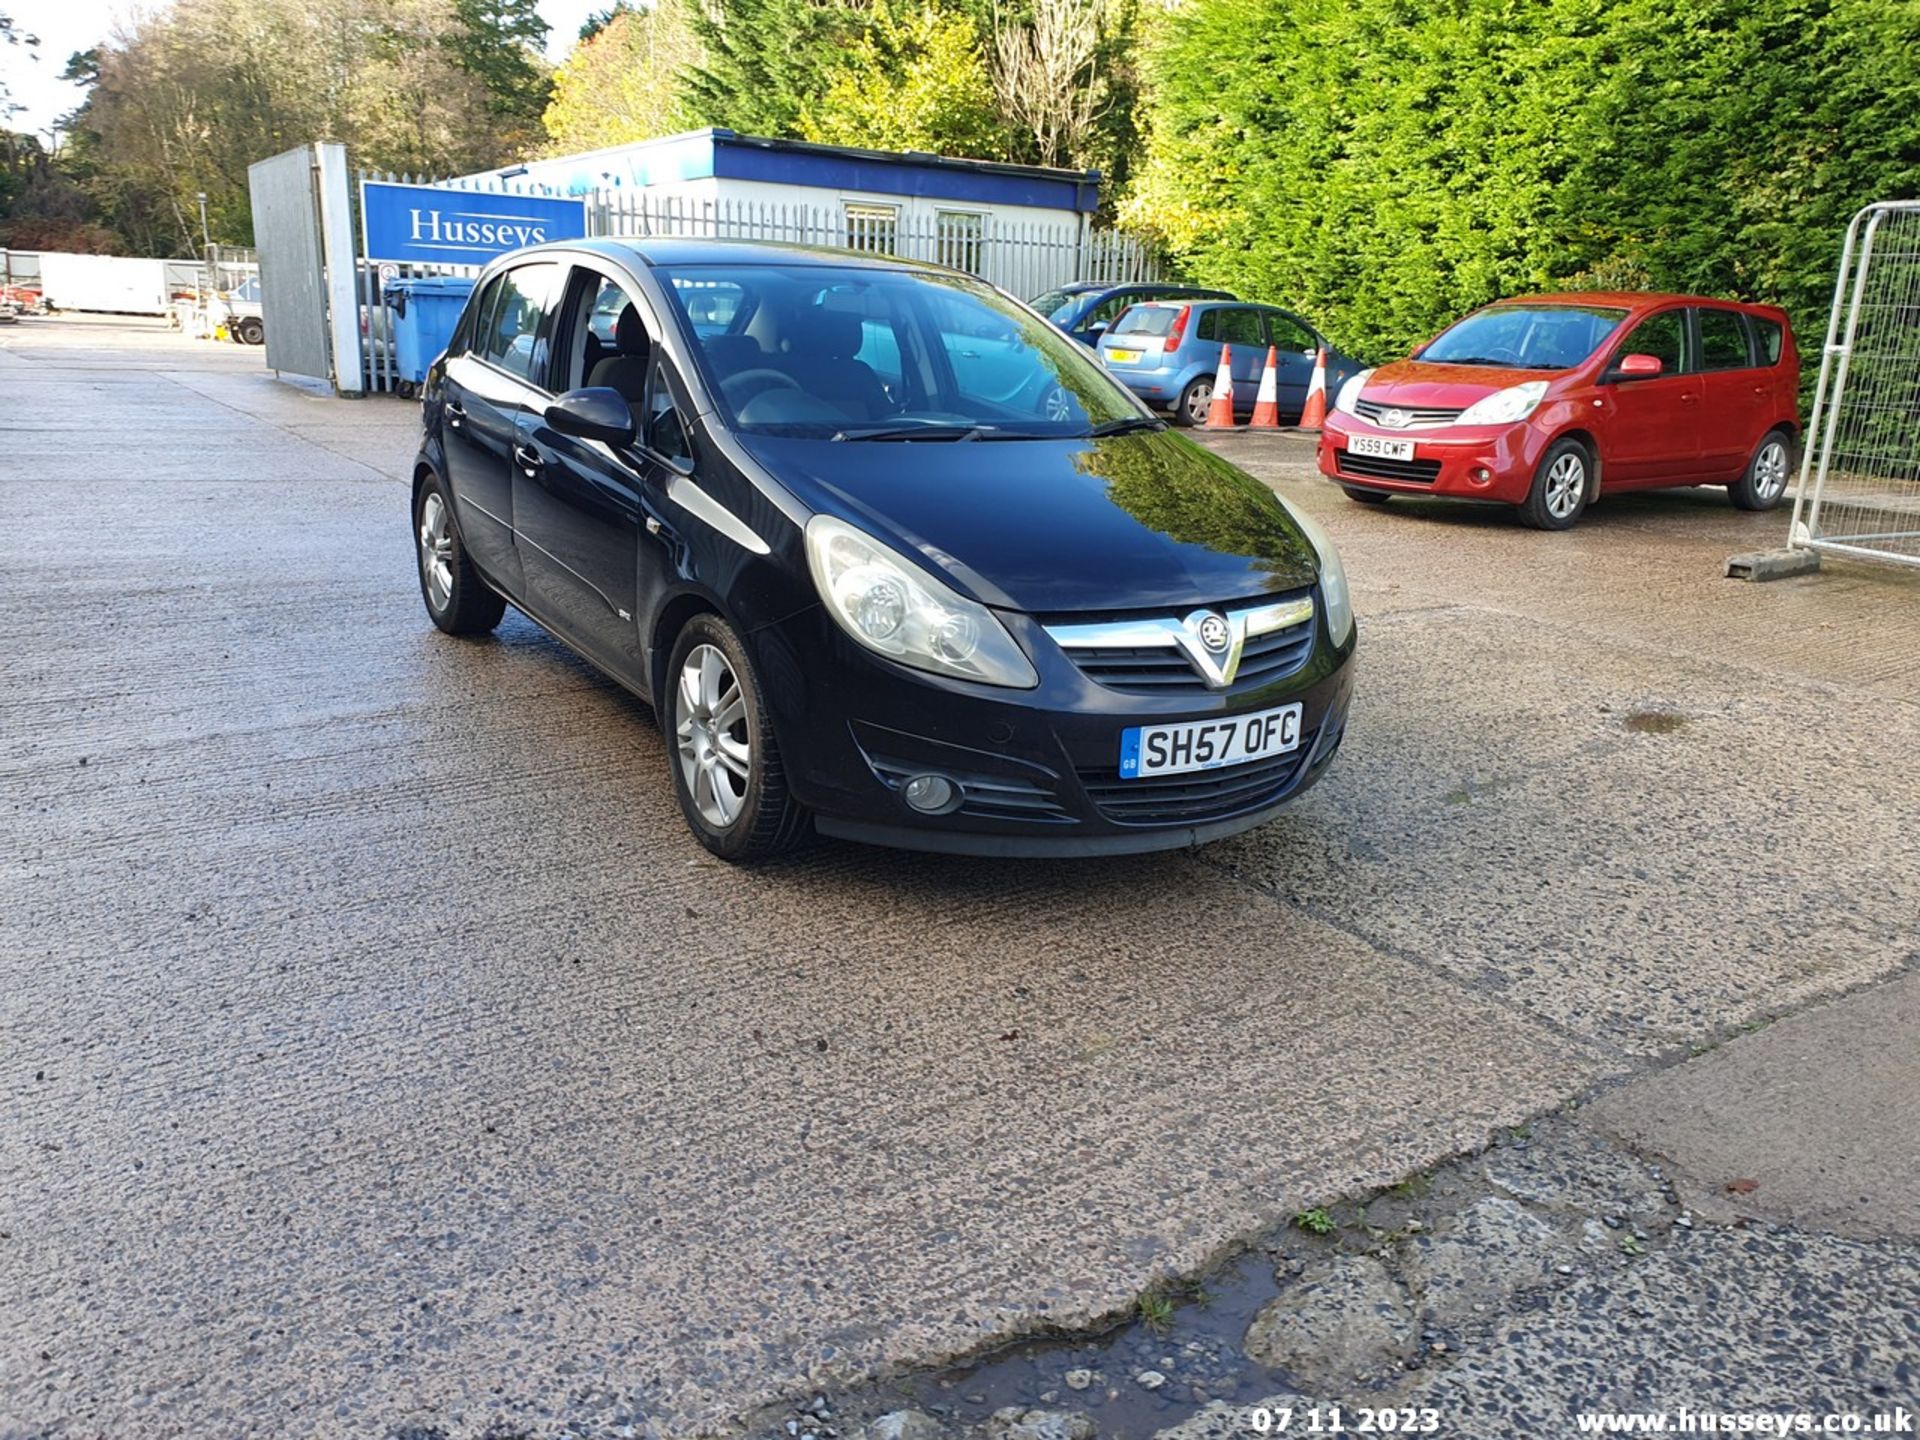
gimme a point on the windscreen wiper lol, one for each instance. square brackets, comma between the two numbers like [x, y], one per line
[931, 431]
[1127, 425]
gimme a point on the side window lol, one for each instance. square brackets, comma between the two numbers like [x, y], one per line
[1287, 333]
[588, 338]
[1723, 340]
[880, 352]
[1209, 327]
[1766, 339]
[712, 305]
[1108, 310]
[1663, 336]
[516, 329]
[473, 320]
[666, 431]
[1239, 325]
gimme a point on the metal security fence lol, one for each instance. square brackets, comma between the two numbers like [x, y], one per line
[1022, 258]
[1860, 476]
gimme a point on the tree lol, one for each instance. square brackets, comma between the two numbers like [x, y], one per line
[912, 82]
[765, 60]
[11, 35]
[1046, 78]
[498, 43]
[186, 98]
[618, 85]
[1385, 165]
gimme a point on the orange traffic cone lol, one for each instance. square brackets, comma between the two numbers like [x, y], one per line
[1266, 405]
[1220, 412]
[1314, 414]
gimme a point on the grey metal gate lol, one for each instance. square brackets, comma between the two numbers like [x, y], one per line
[293, 290]
[1860, 475]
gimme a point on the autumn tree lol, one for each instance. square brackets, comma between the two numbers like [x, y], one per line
[915, 80]
[619, 84]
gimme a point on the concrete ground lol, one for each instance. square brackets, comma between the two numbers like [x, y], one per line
[377, 1051]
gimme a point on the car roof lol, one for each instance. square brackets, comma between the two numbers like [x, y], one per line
[671, 250]
[1627, 300]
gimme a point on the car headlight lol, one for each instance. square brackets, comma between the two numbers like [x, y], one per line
[1350, 391]
[893, 607]
[1503, 407]
[1333, 577]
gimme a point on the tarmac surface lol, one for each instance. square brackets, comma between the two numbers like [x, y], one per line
[377, 1050]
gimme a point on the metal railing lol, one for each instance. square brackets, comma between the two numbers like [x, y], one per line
[1024, 258]
[1859, 491]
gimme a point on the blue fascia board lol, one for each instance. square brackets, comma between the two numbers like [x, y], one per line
[905, 176]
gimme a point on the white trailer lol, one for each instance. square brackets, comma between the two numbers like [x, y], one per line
[111, 283]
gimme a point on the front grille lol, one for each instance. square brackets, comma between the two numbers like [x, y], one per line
[1162, 670]
[1372, 410]
[1195, 797]
[1378, 467]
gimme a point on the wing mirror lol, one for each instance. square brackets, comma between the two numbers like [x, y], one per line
[1638, 367]
[597, 412]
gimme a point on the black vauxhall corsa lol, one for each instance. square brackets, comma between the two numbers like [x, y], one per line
[890, 556]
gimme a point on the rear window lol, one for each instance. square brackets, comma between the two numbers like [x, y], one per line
[1767, 339]
[1145, 320]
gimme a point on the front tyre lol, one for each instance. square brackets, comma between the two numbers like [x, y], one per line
[1560, 485]
[458, 600]
[1765, 483]
[726, 763]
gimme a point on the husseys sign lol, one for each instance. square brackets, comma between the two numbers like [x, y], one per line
[441, 225]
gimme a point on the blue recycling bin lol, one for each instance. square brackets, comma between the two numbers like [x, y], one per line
[425, 310]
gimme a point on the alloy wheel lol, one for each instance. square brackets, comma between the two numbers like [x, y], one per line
[436, 551]
[1200, 401]
[1566, 485]
[1770, 472]
[710, 724]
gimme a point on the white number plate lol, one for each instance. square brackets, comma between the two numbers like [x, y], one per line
[1207, 744]
[1385, 449]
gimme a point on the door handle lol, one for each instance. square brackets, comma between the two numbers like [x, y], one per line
[1688, 398]
[529, 459]
[455, 413]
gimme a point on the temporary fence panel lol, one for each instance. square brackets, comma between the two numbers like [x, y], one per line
[1860, 474]
[293, 281]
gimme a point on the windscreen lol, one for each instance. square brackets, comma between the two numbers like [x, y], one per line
[1526, 337]
[1057, 305]
[856, 352]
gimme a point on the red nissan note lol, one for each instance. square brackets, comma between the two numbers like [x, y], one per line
[1546, 403]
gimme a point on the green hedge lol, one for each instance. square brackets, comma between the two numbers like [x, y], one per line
[1384, 165]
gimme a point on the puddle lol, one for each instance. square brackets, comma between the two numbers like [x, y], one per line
[1654, 722]
[1197, 1350]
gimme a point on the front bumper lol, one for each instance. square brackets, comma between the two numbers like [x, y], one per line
[1038, 769]
[1467, 462]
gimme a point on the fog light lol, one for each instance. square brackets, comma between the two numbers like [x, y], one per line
[1481, 475]
[929, 794]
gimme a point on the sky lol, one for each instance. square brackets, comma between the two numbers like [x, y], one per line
[65, 26]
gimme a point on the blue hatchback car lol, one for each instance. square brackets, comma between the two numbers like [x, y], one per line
[1168, 353]
[1084, 311]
